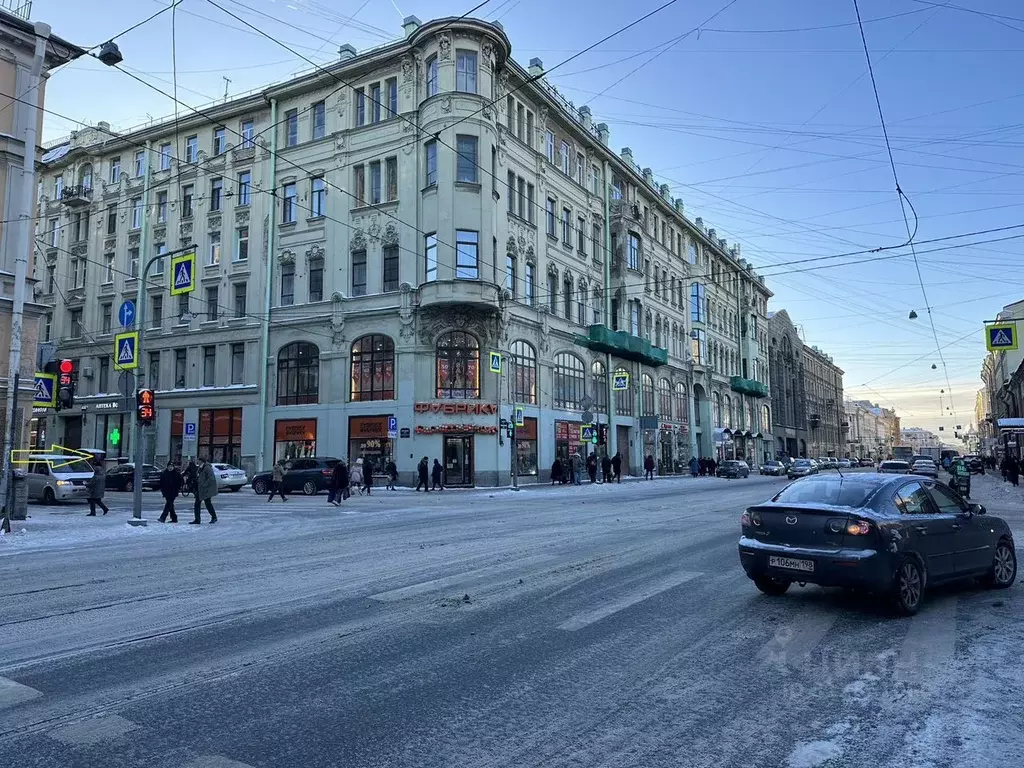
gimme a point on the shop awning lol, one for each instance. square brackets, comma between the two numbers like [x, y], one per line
[1010, 423]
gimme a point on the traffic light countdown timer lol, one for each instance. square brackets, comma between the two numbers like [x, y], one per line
[65, 384]
[145, 402]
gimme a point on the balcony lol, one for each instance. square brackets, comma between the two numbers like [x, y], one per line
[621, 344]
[76, 196]
[442, 293]
[748, 387]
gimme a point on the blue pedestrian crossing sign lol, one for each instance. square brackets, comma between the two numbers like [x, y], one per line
[126, 351]
[183, 273]
[620, 381]
[588, 433]
[45, 390]
[1001, 336]
[495, 360]
[519, 417]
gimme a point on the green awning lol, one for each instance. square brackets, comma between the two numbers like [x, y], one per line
[600, 338]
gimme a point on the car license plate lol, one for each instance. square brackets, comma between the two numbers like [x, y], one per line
[791, 563]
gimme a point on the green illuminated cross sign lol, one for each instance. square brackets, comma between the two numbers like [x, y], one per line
[115, 436]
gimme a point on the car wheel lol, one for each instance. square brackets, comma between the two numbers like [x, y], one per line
[309, 488]
[1004, 566]
[129, 486]
[770, 586]
[48, 496]
[259, 487]
[908, 588]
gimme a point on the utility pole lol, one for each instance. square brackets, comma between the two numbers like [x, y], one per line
[609, 443]
[24, 233]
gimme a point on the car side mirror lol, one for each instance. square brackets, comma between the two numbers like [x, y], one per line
[977, 509]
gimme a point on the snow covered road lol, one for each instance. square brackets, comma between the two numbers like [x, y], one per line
[594, 626]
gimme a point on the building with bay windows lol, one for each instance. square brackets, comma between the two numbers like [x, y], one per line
[372, 241]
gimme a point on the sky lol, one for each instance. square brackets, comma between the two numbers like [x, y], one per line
[759, 114]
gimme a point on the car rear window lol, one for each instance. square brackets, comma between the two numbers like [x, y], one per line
[895, 465]
[802, 463]
[838, 491]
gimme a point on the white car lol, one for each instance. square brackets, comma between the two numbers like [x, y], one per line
[229, 478]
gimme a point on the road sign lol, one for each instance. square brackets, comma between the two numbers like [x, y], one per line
[405, 432]
[183, 269]
[588, 433]
[495, 362]
[586, 402]
[392, 427]
[126, 314]
[1001, 336]
[126, 351]
[190, 430]
[68, 456]
[46, 391]
[586, 417]
[519, 418]
[620, 381]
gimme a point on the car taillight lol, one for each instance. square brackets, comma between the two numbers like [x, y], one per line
[858, 528]
[326, 472]
[745, 518]
[751, 517]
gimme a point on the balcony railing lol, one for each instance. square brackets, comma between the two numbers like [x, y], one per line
[76, 195]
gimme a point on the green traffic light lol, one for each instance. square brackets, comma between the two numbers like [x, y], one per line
[115, 436]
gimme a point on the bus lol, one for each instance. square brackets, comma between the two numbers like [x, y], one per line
[902, 453]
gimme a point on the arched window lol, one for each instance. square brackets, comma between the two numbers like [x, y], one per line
[373, 368]
[599, 386]
[524, 373]
[85, 176]
[624, 398]
[298, 374]
[682, 407]
[458, 366]
[570, 381]
[647, 395]
[665, 399]
[766, 425]
[716, 404]
[727, 412]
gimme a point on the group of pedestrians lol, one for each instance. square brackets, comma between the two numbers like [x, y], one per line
[702, 466]
[570, 470]
[198, 479]
[429, 478]
[1011, 468]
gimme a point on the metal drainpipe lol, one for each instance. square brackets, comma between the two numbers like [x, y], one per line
[268, 293]
[609, 392]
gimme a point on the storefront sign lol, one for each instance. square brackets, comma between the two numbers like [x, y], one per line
[113, 405]
[367, 426]
[457, 409]
[438, 429]
[666, 427]
[295, 429]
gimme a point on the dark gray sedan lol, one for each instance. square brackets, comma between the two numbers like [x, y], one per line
[892, 535]
[733, 469]
[802, 468]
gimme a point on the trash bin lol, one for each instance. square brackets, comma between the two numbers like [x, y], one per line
[20, 494]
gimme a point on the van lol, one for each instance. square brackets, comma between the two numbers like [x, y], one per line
[53, 477]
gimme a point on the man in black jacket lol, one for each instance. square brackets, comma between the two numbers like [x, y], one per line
[170, 486]
[339, 482]
[423, 474]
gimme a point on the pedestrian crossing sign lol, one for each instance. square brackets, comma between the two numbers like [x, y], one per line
[46, 390]
[519, 418]
[495, 360]
[1001, 336]
[620, 381]
[126, 351]
[588, 433]
[183, 273]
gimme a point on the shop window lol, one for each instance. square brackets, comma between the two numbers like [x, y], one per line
[298, 374]
[567, 439]
[220, 436]
[174, 450]
[458, 366]
[368, 440]
[294, 439]
[665, 399]
[570, 381]
[526, 448]
[373, 368]
[647, 395]
[682, 406]
[524, 373]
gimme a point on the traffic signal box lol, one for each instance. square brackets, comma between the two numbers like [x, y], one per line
[145, 406]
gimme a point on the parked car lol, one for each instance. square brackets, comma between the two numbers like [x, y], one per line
[122, 478]
[733, 469]
[54, 477]
[894, 467]
[229, 478]
[772, 468]
[802, 468]
[309, 475]
[889, 534]
[925, 467]
[844, 464]
[866, 462]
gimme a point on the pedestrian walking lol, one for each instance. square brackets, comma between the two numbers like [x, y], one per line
[191, 470]
[617, 467]
[592, 467]
[606, 470]
[392, 472]
[423, 475]
[694, 466]
[368, 476]
[276, 484]
[576, 464]
[206, 490]
[1013, 472]
[356, 477]
[712, 467]
[556, 471]
[339, 481]
[170, 486]
[649, 467]
[436, 474]
[97, 486]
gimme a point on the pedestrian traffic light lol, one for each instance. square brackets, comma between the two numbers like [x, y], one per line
[66, 384]
[602, 434]
[145, 406]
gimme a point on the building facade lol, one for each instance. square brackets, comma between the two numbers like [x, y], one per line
[807, 394]
[873, 432]
[918, 438]
[370, 242]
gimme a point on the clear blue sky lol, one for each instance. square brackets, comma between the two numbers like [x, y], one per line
[764, 123]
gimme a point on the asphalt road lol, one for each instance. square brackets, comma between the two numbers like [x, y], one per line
[599, 626]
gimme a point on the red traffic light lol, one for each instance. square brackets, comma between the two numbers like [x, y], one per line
[145, 402]
[66, 366]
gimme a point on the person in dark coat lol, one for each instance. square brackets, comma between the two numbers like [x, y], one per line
[368, 475]
[1013, 471]
[694, 466]
[617, 467]
[592, 466]
[606, 469]
[391, 470]
[191, 470]
[206, 490]
[339, 481]
[97, 486]
[556, 471]
[170, 486]
[436, 475]
[649, 467]
[423, 475]
[712, 467]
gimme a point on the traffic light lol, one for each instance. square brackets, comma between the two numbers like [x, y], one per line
[602, 434]
[145, 404]
[65, 384]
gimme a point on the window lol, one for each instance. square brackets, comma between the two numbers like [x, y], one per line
[567, 226]
[494, 170]
[389, 258]
[140, 163]
[912, 499]
[564, 156]
[244, 188]
[108, 272]
[289, 204]
[216, 194]
[634, 318]
[154, 370]
[375, 181]
[465, 71]
[156, 311]
[530, 216]
[431, 160]
[553, 294]
[646, 395]
[946, 501]
[375, 102]
[48, 327]
[187, 195]
[106, 314]
[511, 184]
[359, 273]
[698, 347]
[291, 127]
[242, 244]
[103, 385]
[392, 89]
[51, 275]
[467, 254]
[316, 279]
[549, 211]
[191, 149]
[212, 304]
[317, 197]
[214, 257]
[137, 213]
[665, 399]
[598, 305]
[209, 366]
[581, 168]
[567, 298]
[115, 170]
[133, 262]
[238, 363]
[581, 305]
[524, 373]
[165, 157]
[634, 252]
[391, 178]
[319, 120]
[432, 86]
[599, 386]
[360, 97]
[159, 249]
[372, 369]
[298, 374]
[569, 381]
[458, 367]
[359, 183]
[220, 141]
[180, 367]
[248, 134]
[287, 285]
[240, 297]
[466, 166]
[511, 268]
[528, 134]
[581, 234]
[528, 284]
[598, 238]
[549, 146]
[75, 323]
[430, 256]
[161, 206]
[80, 228]
[698, 303]
[692, 252]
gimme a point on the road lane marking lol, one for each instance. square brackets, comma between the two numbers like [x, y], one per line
[930, 643]
[12, 693]
[473, 578]
[796, 639]
[95, 730]
[586, 618]
[216, 761]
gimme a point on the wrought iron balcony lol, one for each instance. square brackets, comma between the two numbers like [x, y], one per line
[77, 195]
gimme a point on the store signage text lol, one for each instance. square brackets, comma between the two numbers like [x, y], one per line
[437, 429]
[456, 409]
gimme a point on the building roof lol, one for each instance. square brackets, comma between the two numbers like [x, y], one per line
[58, 51]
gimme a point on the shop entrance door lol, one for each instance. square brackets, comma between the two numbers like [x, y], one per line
[667, 465]
[458, 460]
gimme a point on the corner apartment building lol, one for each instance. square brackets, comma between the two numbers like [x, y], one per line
[367, 237]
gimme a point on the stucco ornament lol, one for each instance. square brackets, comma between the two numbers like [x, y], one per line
[406, 313]
[316, 251]
[358, 241]
[444, 44]
[286, 257]
[408, 69]
[390, 236]
[434, 322]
